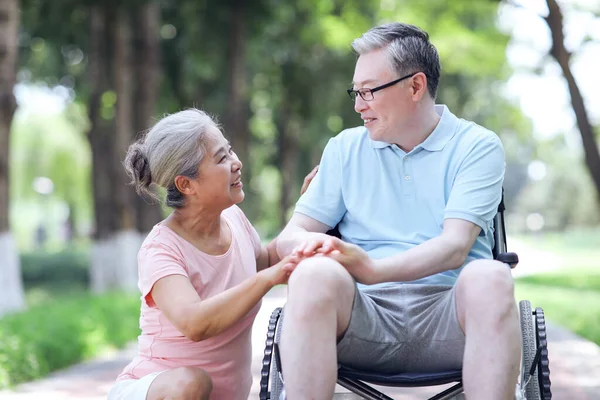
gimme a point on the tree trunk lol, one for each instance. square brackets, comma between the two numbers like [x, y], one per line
[103, 274]
[562, 56]
[287, 163]
[236, 128]
[123, 77]
[127, 240]
[147, 73]
[10, 272]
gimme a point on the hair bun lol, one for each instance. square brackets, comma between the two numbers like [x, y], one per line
[138, 167]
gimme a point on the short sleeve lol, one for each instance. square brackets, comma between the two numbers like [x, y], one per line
[156, 261]
[249, 228]
[477, 188]
[323, 200]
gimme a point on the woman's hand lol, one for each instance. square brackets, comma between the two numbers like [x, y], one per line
[356, 261]
[279, 273]
[308, 179]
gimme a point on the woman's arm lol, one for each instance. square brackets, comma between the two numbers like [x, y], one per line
[268, 256]
[201, 319]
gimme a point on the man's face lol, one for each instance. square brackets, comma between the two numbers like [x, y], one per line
[387, 112]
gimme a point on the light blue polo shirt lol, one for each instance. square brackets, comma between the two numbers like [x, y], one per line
[387, 201]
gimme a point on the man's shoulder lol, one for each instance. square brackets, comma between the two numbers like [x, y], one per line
[351, 138]
[472, 134]
[352, 135]
[475, 130]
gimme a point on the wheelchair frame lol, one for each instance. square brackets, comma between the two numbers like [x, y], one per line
[535, 371]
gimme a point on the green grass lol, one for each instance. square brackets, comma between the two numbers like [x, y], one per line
[576, 309]
[575, 280]
[571, 241]
[570, 296]
[59, 330]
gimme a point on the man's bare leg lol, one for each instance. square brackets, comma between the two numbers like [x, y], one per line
[320, 298]
[488, 315]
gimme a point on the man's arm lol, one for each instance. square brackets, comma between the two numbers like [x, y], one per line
[445, 252]
[300, 229]
[442, 253]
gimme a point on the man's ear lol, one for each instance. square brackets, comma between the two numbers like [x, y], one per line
[183, 184]
[419, 86]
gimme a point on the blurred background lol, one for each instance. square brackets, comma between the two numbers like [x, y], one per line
[82, 79]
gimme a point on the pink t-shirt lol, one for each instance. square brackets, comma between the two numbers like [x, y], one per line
[226, 357]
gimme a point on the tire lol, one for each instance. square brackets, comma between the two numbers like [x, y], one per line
[529, 348]
[276, 383]
[544, 363]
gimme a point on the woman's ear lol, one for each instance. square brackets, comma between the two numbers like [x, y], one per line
[183, 184]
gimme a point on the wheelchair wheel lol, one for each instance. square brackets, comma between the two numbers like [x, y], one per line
[276, 382]
[271, 385]
[529, 342]
[544, 362]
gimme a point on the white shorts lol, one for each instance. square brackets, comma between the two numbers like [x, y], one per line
[133, 389]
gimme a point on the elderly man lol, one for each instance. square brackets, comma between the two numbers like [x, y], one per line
[412, 286]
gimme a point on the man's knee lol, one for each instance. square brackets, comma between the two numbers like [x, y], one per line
[319, 272]
[192, 383]
[486, 281]
[320, 282]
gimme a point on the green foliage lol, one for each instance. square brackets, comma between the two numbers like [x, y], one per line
[66, 266]
[52, 146]
[298, 63]
[62, 332]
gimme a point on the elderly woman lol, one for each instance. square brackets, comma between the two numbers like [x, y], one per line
[202, 271]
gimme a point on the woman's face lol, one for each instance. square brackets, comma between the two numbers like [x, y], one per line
[218, 184]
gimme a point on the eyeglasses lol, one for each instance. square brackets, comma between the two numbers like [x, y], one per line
[367, 94]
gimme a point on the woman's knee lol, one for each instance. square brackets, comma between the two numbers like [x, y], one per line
[182, 383]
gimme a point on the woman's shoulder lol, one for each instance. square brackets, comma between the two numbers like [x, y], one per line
[238, 219]
[236, 215]
[162, 238]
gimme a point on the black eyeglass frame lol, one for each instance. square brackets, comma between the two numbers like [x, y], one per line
[352, 93]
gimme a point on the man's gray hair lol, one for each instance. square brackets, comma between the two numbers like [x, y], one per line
[409, 50]
[174, 146]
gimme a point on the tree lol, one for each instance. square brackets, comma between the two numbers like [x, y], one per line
[10, 283]
[558, 51]
[112, 119]
[147, 71]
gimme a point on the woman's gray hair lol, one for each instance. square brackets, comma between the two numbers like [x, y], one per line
[174, 146]
[409, 50]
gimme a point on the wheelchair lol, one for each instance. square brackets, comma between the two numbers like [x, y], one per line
[534, 381]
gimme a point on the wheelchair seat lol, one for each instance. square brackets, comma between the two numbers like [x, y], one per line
[407, 379]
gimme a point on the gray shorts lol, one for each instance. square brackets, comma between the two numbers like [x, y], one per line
[397, 328]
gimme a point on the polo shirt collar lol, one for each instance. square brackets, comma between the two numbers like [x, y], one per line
[443, 132]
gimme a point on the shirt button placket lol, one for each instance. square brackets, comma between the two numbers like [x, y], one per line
[409, 189]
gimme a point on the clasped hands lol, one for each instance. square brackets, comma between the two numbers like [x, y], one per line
[356, 261]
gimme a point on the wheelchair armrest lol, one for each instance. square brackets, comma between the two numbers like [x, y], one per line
[511, 259]
[335, 232]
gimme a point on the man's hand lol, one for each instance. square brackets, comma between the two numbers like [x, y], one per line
[308, 179]
[356, 261]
